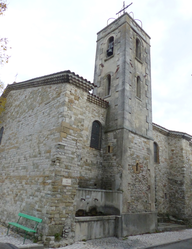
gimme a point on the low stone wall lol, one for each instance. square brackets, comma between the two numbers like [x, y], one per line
[94, 227]
[132, 224]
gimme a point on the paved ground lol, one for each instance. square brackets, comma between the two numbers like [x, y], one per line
[13, 238]
[137, 242]
[186, 244]
[134, 242]
[131, 242]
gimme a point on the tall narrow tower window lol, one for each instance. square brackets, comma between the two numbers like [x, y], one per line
[138, 87]
[110, 46]
[156, 152]
[1, 133]
[138, 49]
[108, 92]
[96, 135]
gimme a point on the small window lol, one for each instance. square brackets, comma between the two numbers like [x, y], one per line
[109, 149]
[137, 167]
[138, 87]
[108, 92]
[110, 46]
[1, 133]
[156, 152]
[138, 49]
[96, 135]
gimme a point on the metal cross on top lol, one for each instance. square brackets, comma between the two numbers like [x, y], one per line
[123, 8]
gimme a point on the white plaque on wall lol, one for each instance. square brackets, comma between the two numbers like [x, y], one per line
[66, 181]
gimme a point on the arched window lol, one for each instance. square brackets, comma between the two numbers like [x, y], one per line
[156, 152]
[1, 133]
[96, 135]
[138, 49]
[108, 86]
[110, 46]
[138, 87]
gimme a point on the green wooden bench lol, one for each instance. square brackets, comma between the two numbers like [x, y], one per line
[26, 229]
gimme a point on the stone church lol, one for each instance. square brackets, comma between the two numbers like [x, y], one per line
[85, 157]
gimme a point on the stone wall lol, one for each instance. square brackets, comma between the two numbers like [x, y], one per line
[75, 138]
[162, 173]
[46, 155]
[31, 121]
[173, 173]
[128, 167]
[112, 161]
[180, 176]
[187, 154]
[138, 174]
[176, 177]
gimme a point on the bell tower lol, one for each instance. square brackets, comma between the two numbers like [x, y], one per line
[123, 78]
[122, 75]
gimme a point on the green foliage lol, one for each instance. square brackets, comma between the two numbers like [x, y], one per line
[2, 104]
[57, 237]
[35, 240]
[125, 238]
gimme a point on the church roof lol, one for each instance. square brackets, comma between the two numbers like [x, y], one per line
[56, 78]
[171, 133]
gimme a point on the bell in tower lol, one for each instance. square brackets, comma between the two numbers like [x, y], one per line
[110, 46]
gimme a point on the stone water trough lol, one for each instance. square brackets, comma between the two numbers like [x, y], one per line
[97, 213]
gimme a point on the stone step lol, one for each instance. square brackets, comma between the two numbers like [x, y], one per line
[162, 227]
[163, 219]
[170, 219]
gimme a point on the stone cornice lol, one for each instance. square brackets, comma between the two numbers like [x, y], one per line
[56, 78]
[171, 133]
[98, 101]
[136, 24]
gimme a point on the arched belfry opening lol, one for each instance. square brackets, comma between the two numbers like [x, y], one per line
[138, 49]
[110, 46]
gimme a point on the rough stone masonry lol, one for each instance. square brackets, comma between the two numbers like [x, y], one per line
[85, 157]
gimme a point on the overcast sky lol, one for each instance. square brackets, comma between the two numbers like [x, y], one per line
[49, 36]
